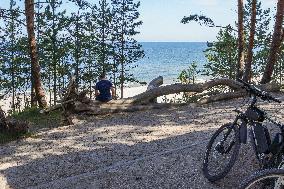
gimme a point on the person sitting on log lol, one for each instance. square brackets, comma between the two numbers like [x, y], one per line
[104, 89]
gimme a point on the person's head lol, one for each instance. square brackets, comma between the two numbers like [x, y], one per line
[102, 76]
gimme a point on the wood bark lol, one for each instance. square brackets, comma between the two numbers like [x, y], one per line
[236, 94]
[145, 97]
[105, 109]
[35, 68]
[247, 72]
[282, 39]
[275, 44]
[122, 56]
[143, 100]
[74, 102]
[33, 96]
[241, 40]
[68, 97]
[154, 84]
[3, 121]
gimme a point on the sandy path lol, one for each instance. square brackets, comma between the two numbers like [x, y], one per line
[153, 149]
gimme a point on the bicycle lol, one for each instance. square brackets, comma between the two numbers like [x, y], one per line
[265, 179]
[223, 147]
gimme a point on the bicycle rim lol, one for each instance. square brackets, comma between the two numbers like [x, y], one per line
[266, 179]
[221, 153]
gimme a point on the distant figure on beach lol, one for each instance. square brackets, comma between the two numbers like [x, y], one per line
[104, 90]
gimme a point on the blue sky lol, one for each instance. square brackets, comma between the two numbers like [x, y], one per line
[162, 18]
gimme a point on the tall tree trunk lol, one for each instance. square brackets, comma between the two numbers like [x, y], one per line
[12, 57]
[122, 75]
[122, 67]
[275, 44]
[77, 50]
[103, 37]
[122, 80]
[54, 61]
[35, 68]
[241, 40]
[247, 73]
[33, 95]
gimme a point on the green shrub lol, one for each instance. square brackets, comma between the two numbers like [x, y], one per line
[39, 120]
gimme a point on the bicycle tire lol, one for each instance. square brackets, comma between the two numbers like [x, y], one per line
[232, 159]
[259, 178]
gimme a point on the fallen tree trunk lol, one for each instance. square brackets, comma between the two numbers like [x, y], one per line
[147, 96]
[96, 110]
[222, 96]
[143, 100]
[155, 83]
[68, 97]
[237, 94]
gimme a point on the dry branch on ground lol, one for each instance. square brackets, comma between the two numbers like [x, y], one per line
[79, 103]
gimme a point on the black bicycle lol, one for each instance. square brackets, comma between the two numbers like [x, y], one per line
[265, 179]
[223, 147]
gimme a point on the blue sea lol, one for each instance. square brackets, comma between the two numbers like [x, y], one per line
[168, 59]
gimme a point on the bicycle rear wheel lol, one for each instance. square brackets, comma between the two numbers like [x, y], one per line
[221, 153]
[265, 179]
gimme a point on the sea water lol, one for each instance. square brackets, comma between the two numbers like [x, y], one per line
[168, 59]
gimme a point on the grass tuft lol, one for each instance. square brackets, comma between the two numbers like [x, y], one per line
[39, 120]
[36, 122]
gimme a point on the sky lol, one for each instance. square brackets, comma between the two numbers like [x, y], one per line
[161, 18]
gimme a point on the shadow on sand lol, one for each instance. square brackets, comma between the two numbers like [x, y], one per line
[96, 158]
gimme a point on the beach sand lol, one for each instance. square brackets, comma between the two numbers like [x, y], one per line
[151, 149]
[132, 91]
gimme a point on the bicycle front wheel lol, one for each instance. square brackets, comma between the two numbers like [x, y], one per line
[265, 179]
[221, 153]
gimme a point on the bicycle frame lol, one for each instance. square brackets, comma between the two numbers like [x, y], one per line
[226, 141]
[245, 121]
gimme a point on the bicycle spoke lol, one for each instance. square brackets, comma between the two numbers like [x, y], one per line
[221, 152]
[279, 183]
[266, 179]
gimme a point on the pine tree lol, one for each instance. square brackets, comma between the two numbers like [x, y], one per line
[128, 50]
[241, 40]
[91, 67]
[13, 59]
[261, 38]
[52, 45]
[35, 68]
[222, 56]
[247, 73]
[76, 35]
[277, 39]
[103, 18]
